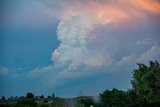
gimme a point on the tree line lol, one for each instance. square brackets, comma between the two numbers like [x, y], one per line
[28, 95]
[30, 100]
[145, 90]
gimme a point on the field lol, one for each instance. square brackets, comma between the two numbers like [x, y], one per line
[45, 102]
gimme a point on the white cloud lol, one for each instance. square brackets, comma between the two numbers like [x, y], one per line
[151, 54]
[3, 71]
[40, 71]
[87, 44]
[88, 40]
[83, 42]
[146, 41]
[92, 41]
[127, 60]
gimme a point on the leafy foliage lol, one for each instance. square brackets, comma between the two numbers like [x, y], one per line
[3, 98]
[30, 95]
[45, 101]
[53, 95]
[114, 97]
[85, 102]
[145, 90]
[146, 82]
[42, 96]
[26, 103]
[43, 105]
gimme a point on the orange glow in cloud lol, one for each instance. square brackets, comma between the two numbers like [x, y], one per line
[56, 54]
[114, 11]
[148, 5]
[122, 11]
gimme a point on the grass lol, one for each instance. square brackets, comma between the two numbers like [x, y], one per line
[58, 102]
[47, 102]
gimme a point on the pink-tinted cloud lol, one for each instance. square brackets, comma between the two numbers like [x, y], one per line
[118, 10]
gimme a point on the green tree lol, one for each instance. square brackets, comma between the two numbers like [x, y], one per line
[145, 90]
[43, 105]
[53, 95]
[48, 96]
[45, 101]
[42, 96]
[114, 98]
[30, 95]
[146, 82]
[27, 102]
[84, 101]
[3, 98]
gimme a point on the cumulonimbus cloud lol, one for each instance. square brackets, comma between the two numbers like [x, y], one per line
[88, 36]
[87, 41]
[83, 42]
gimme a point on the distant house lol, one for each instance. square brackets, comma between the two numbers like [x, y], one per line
[38, 97]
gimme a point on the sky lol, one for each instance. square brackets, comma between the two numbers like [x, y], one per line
[67, 46]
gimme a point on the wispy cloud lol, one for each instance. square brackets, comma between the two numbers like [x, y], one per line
[151, 54]
[3, 71]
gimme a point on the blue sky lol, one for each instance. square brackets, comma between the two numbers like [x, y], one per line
[67, 46]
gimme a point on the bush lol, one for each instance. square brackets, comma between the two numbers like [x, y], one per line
[145, 90]
[30, 95]
[114, 98]
[45, 101]
[5, 105]
[26, 103]
[43, 105]
[86, 102]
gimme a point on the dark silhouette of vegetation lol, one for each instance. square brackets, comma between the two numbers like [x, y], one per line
[12, 98]
[43, 105]
[27, 102]
[85, 102]
[53, 95]
[3, 98]
[114, 98]
[31, 101]
[49, 96]
[146, 82]
[145, 91]
[30, 95]
[42, 96]
[45, 101]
